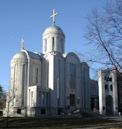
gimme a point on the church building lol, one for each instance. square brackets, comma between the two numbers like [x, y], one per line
[110, 92]
[49, 83]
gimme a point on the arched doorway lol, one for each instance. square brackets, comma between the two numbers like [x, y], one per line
[109, 105]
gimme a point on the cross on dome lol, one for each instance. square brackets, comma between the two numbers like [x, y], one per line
[53, 16]
[22, 44]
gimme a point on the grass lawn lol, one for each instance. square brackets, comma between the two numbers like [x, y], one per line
[51, 123]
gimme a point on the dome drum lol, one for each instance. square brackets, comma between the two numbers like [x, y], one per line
[53, 40]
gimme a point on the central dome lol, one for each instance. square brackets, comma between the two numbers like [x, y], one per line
[53, 29]
[53, 39]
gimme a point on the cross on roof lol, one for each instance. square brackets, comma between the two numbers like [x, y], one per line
[22, 43]
[53, 16]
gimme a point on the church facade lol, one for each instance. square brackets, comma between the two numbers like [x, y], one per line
[49, 83]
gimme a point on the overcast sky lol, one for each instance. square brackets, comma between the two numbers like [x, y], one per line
[29, 18]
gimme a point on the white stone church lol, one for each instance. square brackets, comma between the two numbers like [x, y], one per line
[49, 83]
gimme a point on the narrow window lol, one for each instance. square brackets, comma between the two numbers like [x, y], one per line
[43, 98]
[29, 98]
[110, 79]
[32, 98]
[31, 94]
[106, 78]
[103, 108]
[18, 111]
[39, 98]
[62, 49]
[23, 82]
[58, 79]
[14, 83]
[43, 111]
[45, 44]
[47, 71]
[15, 71]
[72, 100]
[72, 82]
[111, 87]
[106, 87]
[36, 75]
[47, 99]
[53, 43]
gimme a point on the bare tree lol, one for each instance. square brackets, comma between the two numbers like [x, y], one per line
[10, 96]
[104, 30]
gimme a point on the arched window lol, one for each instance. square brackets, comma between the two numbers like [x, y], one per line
[72, 82]
[36, 75]
[109, 105]
[45, 44]
[23, 74]
[106, 87]
[111, 87]
[15, 71]
[62, 45]
[58, 79]
[53, 41]
[32, 98]
[47, 71]
[23, 83]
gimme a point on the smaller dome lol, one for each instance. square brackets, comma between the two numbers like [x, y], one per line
[53, 29]
[20, 55]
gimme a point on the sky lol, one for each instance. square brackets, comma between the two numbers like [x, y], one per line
[28, 19]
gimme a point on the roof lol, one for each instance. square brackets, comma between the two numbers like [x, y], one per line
[23, 54]
[53, 29]
[34, 55]
[20, 55]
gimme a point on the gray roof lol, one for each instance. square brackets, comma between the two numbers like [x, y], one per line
[20, 55]
[34, 55]
[24, 53]
[53, 29]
